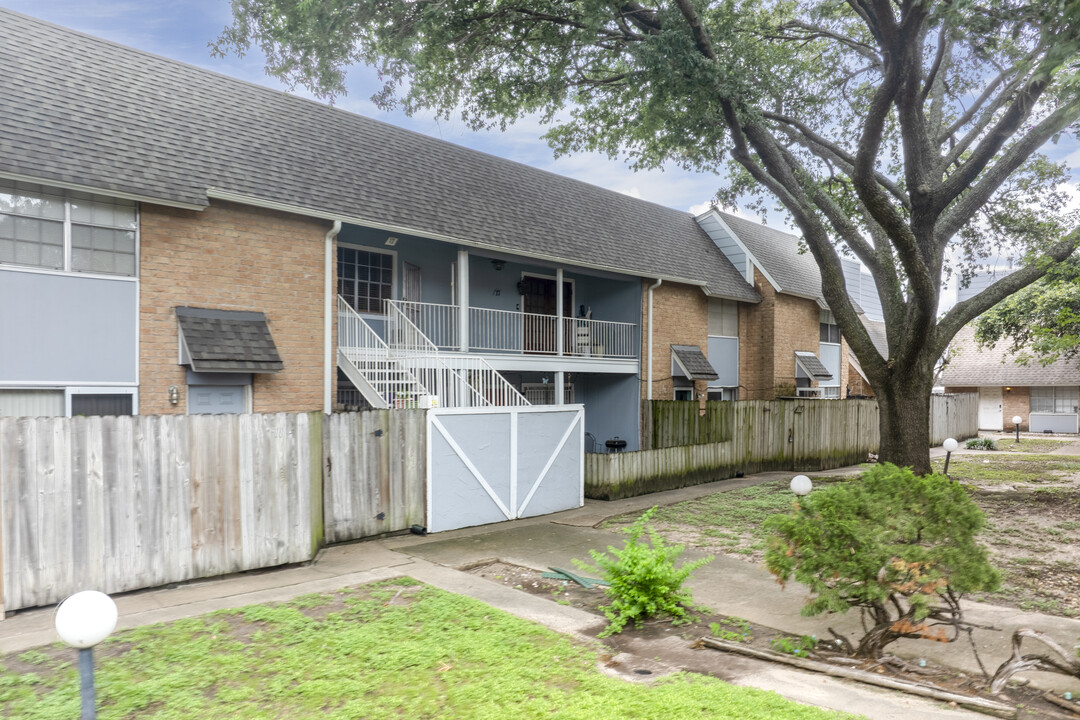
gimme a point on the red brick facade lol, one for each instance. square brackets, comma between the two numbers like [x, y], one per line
[769, 334]
[232, 257]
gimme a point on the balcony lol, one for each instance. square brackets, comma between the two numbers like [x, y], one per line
[505, 332]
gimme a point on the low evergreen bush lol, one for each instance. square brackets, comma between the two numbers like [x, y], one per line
[644, 581]
[981, 444]
[899, 547]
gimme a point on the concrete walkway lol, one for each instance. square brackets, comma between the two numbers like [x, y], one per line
[726, 585]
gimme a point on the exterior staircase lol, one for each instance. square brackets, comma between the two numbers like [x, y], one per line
[409, 371]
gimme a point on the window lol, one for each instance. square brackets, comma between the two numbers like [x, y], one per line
[48, 228]
[365, 278]
[1062, 400]
[723, 318]
[830, 331]
[684, 393]
[727, 393]
[101, 404]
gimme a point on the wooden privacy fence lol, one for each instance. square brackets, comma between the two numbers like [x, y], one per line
[671, 423]
[375, 467]
[803, 434]
[120, 503]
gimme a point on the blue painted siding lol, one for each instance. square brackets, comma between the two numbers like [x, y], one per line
[724, 357]
[67, 329]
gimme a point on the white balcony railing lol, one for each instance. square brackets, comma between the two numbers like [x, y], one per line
[507, 331]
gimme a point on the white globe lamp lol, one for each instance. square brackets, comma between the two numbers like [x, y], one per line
[801, 485]
[82, 621]
[950, 445]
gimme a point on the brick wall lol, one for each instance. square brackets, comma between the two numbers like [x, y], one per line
[756, 333]
[680, 317]
[232, 257]
[1016, 401]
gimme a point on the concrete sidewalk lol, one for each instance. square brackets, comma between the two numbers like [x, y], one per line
[727, 585]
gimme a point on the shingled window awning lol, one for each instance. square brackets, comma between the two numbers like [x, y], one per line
[693, 362]
[226, 341]
[812, 366]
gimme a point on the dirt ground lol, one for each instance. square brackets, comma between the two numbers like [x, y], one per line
[678, 645]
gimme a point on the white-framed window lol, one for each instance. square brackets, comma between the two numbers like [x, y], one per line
[723, 318]
[366, 277]
[68, 401]
[724, 393]
[68, 231]
[1057, 400]
[830, 331]
[684, 394]
[100, 401]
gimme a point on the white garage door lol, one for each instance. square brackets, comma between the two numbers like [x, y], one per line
[216, 399]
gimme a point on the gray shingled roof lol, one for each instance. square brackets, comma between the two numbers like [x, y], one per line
[876, 330]
[693, 362]
[80, 110]
[778, 252]
[993, 366]
[812, 366]
[227, 341]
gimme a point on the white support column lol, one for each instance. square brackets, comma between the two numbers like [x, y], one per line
[560, 387]
[560, 332]
[463, 299]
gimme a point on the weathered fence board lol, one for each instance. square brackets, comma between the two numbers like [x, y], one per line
[122, 503]
[804, 434]
[374, 473]
[671, 423]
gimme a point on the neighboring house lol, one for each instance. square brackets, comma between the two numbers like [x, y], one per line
[1046, 397]
[176, 241]
[789, 343]
[858, 385]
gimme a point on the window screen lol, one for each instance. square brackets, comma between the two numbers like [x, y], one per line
[1054, 400]
[104, 404]
[723, 317]
[35, 219]
[365, 278]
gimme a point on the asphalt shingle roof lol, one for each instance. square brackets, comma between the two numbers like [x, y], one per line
[994, 366]
[693, 362]
[80, 110]
[778, 252]
[812, 365]
[228, 340]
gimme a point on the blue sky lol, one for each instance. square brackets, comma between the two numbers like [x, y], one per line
[181, 29]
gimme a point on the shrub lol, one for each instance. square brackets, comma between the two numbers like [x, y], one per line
[644, 581]
[899, 547]
[981, 444]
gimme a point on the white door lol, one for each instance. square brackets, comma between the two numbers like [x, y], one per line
[990, 408]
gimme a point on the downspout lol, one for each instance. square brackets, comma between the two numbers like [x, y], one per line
[328, 320]
[648, 382]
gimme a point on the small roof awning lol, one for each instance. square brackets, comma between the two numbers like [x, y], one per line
[813, 367]
[226, 341]
[693, 362]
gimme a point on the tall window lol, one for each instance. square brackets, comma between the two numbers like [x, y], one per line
[365, 278]
[1054, 400]
[49, 228]
[830, 331]
[723, 318]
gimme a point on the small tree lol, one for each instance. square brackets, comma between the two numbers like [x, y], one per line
[899, 547]
[643, 581]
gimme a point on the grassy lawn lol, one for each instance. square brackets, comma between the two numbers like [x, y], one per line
[1030, 445]
[1031, 502]
[396, 649]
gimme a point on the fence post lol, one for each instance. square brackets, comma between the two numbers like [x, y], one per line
[315, 479]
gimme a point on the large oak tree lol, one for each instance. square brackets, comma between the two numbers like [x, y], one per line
[905, 133]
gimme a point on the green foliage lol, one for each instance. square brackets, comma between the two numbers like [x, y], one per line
[982, 443]
[1040, 322]
[802, 645]
[644, 581]
[898, 546]
[439, 655]
[732, 629]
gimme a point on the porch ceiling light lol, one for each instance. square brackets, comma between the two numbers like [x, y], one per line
[391, 241]
[498, 264]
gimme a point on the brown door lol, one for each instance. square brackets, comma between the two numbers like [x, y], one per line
[539, 304]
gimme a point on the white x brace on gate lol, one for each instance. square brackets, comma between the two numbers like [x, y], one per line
[490, 464]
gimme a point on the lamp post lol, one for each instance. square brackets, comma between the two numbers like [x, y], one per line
[950, 446]
[82, 621]
[1016, 421]
[801, 485]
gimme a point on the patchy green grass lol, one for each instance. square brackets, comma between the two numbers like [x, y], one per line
[999, 469]
[1030, 445]
[725, 522]
[391, 650]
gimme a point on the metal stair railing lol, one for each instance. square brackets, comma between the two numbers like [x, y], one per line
[458, 380]
[366, 361]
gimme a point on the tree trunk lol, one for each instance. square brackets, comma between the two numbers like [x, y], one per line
[904, 420]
